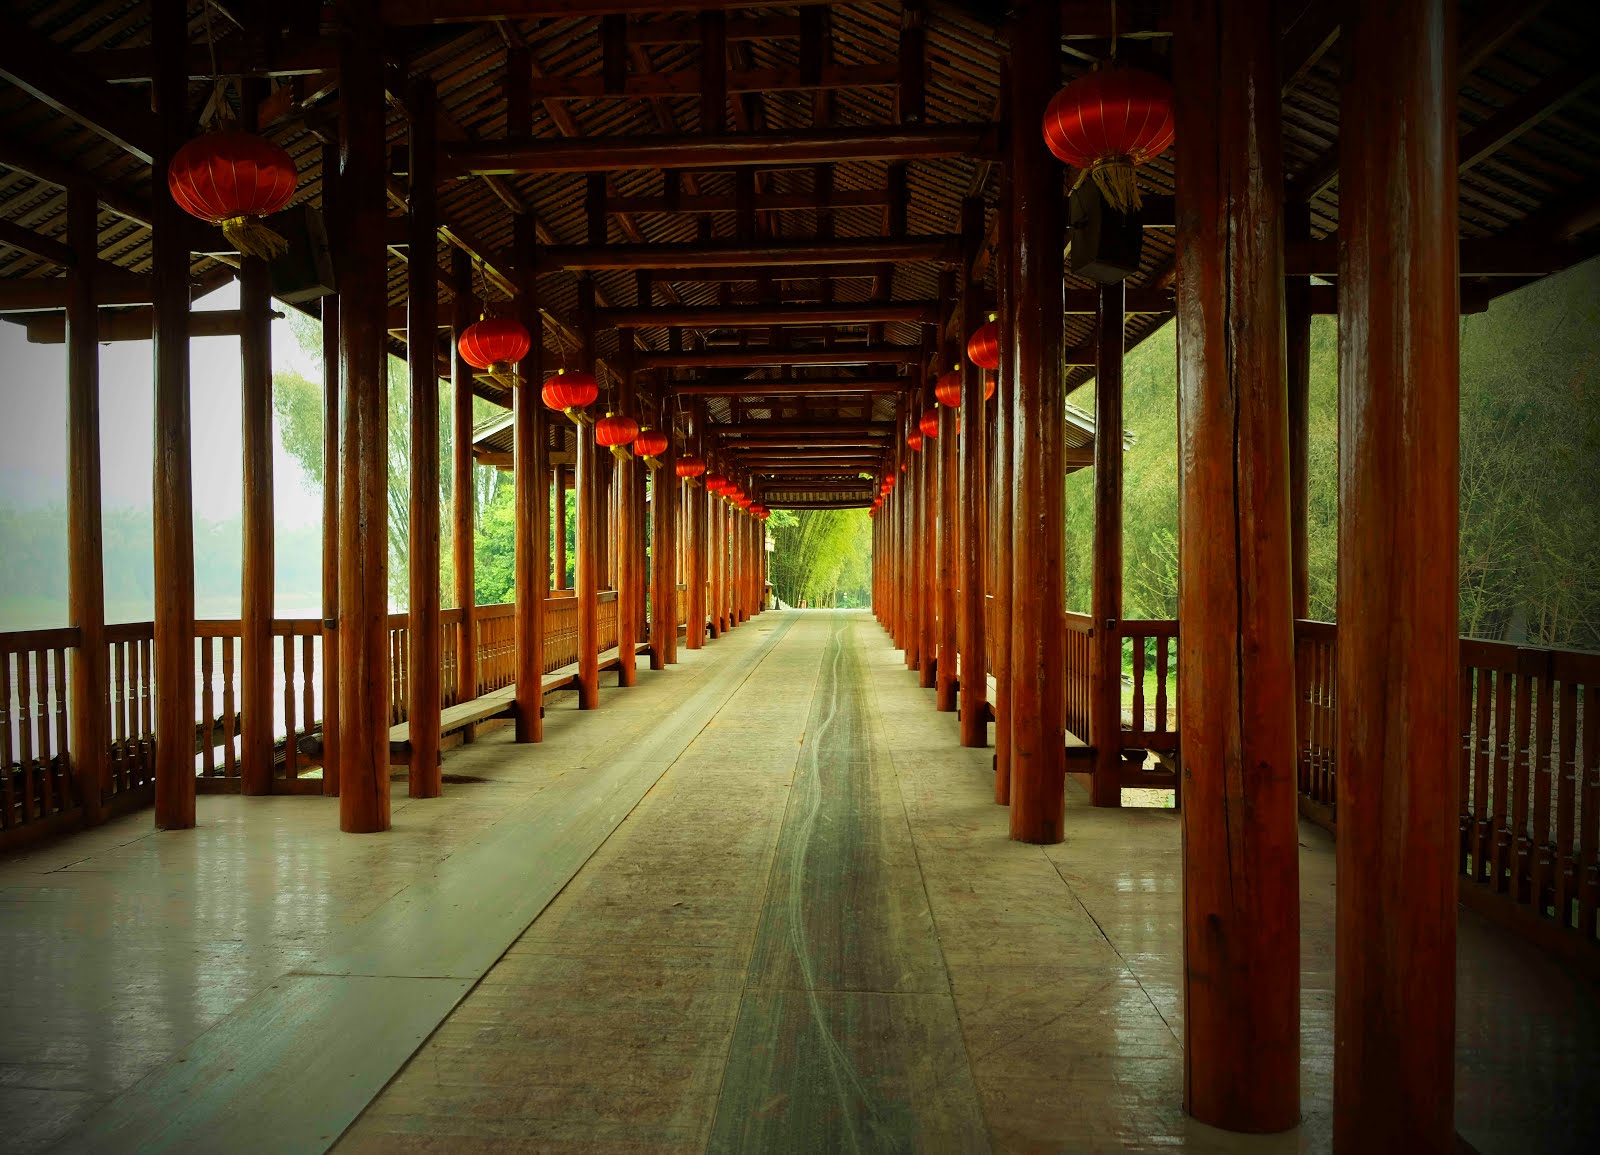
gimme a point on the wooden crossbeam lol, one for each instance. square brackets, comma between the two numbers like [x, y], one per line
[49, 73]
[745, 316]
[404, 12]
[135, 324]
[786, 388]
[1526, 112]
[755, 358]
[28, 241]
[37, 294]
[721, 254]
[762, 150]
[686, 82]
[245, 56]
[765, 202]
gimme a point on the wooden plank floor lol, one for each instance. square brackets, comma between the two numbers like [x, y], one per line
[762, 902]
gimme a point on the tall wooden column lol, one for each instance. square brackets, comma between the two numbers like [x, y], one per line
[630, 533]
[663, 569]
[1399, 654]
[425, 696]
[928, 546]
[590, 513]
[256, 593]
[1236, 673]
[462, 529]
[1038, 705]
[718, 548]
[86, 602]
[1105, 597]
[531, 466]
[948, 465]
[558, 526]
[331, 404]
[1000, 524]
[1297, 371]
[694, 520]
[911, 491]
[173, 496]
[972, 500]
[364, 464]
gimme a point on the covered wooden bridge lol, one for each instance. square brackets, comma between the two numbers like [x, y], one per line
[755, 892]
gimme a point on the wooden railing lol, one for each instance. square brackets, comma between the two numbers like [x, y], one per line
[36, 784]
[1316, 679]
[1151, 722]
[1079, 644]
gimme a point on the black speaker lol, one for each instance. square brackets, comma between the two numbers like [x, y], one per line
[1106, 244]
[305, 272]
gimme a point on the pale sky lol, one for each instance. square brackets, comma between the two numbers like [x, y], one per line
[33, 422]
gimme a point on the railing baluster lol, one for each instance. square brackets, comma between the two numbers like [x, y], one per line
[1566, 798]
[208, 753]
[291, 760]
[13, 816]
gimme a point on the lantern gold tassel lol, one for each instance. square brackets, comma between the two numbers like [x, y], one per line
[1114, 176]
[620, 452]
[254, 239]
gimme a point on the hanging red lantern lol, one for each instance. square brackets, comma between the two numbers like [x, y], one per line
[1109, 122]
[233, 179]
[947, 390]
[494, 341]
[929, 423]
[914, 439]
[989, 381]
[764, 514]
[616, 433]
[715, 483]
[983, 350]
[690, 467]
[570, 393]
[650, 445]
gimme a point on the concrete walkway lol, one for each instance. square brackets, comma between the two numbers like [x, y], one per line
[761, 902]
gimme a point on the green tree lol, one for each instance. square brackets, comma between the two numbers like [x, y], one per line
[821, 557]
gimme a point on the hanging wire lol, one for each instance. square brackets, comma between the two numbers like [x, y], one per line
[1113, 31]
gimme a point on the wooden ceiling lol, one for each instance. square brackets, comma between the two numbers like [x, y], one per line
[582, 73]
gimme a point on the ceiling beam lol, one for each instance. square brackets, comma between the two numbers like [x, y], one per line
[49, 73]
[1526, 112]
[723, 254]
[744, 316]
[755, 358]
[762, 150]
[405, 12]
[787, 388]
[765, 202]
[686, 82]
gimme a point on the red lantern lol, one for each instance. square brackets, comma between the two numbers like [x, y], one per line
[929, 423]
[614, 433]
[650, 444]
[914, 439]
[989, 380]
[984, 348]
[233, 179]
[764, 514]
[947, 390]
[690, 467]
[715, 483]
[570, 392]
[493, 341]
[1109, 122]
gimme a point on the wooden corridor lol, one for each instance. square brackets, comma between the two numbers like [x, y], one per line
[759, 902]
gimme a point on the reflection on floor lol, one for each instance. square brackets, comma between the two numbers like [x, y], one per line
[801, 928]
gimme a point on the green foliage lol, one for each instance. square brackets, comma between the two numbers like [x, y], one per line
[821, 557]
[1530, 486]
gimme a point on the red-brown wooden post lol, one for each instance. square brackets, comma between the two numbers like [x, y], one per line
[462, 522]
[1000, 524]
[630, 536]
[558, 527]
[1297, 371]
[364, 464]
[1105, 672]
[1038, 705]
[424, 693]
[88, 670]
[973, 499]
[1399, 656]
[590, 513]
[949, 535]
[1236, 649]
[663, 567]
[256, 592]
[531, 476]
[694, 515]
[173, 501]
[331, 403]
[928, 536]
[911, 491]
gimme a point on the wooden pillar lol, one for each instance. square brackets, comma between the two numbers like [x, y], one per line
[590, 512]
[1001, 524]
[531, 466]
[1236, 673]
[630, 535]
[1297, 371]
[425, 696]
[256, 593]
[663, 570]
[331, 403]
[364, 464]
[461, 486]
[559, 528]
[695, 525]
[1038, 705]
[928, 548]
[911, 491]
[948, 538]
[972, 500]
[1105, 597]
[1399, 654]
[172, 504]
[89, 671]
